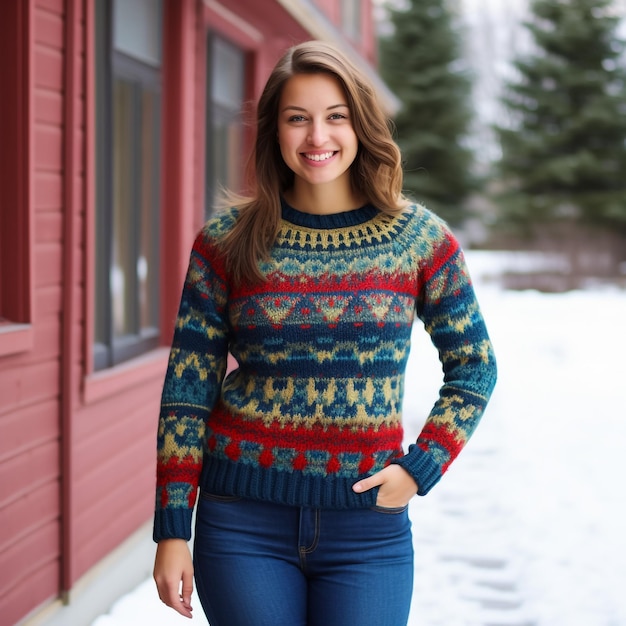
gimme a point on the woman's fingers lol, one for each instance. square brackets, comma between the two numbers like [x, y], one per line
[397, 486]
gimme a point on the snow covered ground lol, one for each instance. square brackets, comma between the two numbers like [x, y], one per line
[526, 529]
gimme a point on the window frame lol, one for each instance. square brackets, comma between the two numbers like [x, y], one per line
[109, 350]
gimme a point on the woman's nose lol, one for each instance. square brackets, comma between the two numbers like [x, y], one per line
[317, 134]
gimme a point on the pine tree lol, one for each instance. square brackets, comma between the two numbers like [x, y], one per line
[564, 153]
[420, 63]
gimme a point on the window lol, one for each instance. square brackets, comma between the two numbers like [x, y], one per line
[128, 162]
[15, 252]
[225, 97]
[351, 18]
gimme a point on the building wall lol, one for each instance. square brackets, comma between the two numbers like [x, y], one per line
[30, 402]
[76, 445]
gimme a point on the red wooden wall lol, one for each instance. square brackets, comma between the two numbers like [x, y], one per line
[76, 446]
[30, 545]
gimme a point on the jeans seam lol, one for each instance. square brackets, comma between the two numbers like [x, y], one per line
[304, 550]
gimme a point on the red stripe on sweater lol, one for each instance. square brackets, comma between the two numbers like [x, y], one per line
[398, 282]
[442, 253]
[443, 437]
[332, 439]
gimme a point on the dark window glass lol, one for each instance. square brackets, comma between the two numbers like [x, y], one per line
[225, 97]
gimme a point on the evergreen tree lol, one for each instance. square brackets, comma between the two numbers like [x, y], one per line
[564, 154]
[420, 63]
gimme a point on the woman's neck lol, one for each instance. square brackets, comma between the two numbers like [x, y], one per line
[322, 199]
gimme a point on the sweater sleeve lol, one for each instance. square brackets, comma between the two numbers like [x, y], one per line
[196, 368]
[449, 309]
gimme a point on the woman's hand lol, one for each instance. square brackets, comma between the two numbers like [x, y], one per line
[173, 566]
[397, 486]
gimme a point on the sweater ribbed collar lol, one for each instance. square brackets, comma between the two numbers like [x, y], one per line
[344, 219]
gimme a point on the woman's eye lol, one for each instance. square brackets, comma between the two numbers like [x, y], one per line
[337, 116]
[297, 118]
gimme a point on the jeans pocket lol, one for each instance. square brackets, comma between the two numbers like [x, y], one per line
[216, 497]
[390, 510]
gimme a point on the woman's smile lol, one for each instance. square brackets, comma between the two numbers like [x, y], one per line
[319, 157]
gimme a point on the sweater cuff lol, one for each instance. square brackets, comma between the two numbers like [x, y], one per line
[172, 524]
[424, 470]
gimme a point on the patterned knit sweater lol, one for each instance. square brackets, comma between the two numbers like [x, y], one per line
[315, 403]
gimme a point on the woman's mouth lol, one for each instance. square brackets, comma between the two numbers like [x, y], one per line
[319, 156]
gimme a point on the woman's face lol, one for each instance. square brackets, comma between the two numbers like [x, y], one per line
[315, 133]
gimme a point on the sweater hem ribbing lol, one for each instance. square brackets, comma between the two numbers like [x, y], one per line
[224, 477]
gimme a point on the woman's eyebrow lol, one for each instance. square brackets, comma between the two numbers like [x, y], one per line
[293, 107]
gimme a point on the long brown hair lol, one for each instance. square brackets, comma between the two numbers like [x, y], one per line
[376, 172]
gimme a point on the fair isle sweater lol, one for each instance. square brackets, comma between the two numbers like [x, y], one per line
[315, 402]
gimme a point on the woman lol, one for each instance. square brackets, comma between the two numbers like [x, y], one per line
[312, 284]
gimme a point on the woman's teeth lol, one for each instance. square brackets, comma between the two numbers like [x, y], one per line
[319, 157]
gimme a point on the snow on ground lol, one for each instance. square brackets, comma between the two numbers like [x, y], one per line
[525, 528]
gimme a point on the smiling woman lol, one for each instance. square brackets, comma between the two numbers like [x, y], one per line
[312, 285]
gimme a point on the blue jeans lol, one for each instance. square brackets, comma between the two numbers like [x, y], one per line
[263, 564]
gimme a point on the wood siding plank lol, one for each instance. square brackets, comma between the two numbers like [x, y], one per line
[21, 474]
[49, 227]
[49, 29]
[47, 300]
[27, 428]
[101, 499]
[101, 502]
[48, 191]
[106, 438]
[21, 518]
[24, 558]
[126, 522]
[54, 6]
[127, 402]
[48, 263]
[27, 386]
[48, 150]
[48, 68]
[48, 107]
[42, 586]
